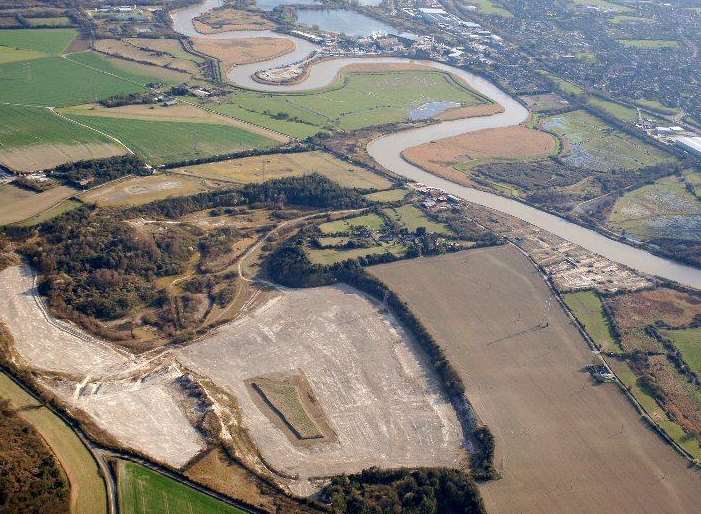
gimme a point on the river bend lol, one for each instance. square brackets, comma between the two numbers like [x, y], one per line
[387, 150]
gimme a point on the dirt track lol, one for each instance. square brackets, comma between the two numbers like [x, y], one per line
[563, 444]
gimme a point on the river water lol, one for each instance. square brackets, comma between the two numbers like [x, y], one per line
[387, 150]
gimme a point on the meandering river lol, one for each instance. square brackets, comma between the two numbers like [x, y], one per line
[387, 150]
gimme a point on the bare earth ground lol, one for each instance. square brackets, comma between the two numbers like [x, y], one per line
[243, 51]
[562, 444]
[45, 156]
[136, 403]
[141, 190]
[479, 147]
[383, 404]
[266, 167]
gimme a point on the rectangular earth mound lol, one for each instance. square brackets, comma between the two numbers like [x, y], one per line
[284, 398]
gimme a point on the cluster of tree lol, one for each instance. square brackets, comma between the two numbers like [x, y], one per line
[85, 174]
[31, 481]
[308, 191]
[404, 491]
[128, 99]
[96, 265]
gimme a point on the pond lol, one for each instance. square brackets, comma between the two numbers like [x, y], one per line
[431, 109]
[342, 21]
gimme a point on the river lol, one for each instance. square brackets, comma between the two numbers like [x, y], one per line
[387, 150]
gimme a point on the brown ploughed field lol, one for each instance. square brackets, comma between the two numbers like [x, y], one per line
[468, 150]
[243, 51]
[562, 443]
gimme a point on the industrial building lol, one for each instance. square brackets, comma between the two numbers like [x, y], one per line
[691, 144]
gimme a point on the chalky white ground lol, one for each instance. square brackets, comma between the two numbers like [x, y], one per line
[363, 368]
[379, 395]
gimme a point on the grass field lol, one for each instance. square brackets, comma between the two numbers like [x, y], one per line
[545, 102]
[45, 41]
[332, 255]
[565, 85]
[688, 341]
[287, 400]
[18, 54]
[370, 221]
[604, 5]
[619, 111]
[356, 101]
[53, 21]
[664, 209]
[34, 138]
[141, 190]
[87, 487]
[160, 142]
[18, 397]
[657, 106]
[17, 204]
[588, 309]
[58, 81]
[622, 19]
[649, 43]
[490, 8]
[266, 167]
[50, 213]
[412, 218]
[521, 361]
[143, 491]
[591, 143]
[391, 195]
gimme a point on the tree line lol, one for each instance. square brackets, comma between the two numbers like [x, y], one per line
[403, 491]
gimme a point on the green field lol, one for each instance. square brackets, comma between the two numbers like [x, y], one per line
[657, 106]
[160, 142]
[490, 8]
[593, 144]
[604, 5]
[18, 397]
[565, 86]
[88, 492]
[622, 19]
[371, 221]
[58, 81]
[8, 55]
[23, 126]
[391, 195]
[649, 43]
[618, 111]
[587, 308]
[412, 218]
[688, 341]
[664, 209]
[356, 101]
[54, 21]
[45, 41]
[143, 491]
[51, 213]
[332, 256]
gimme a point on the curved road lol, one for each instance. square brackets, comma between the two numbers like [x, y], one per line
[387, 150]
